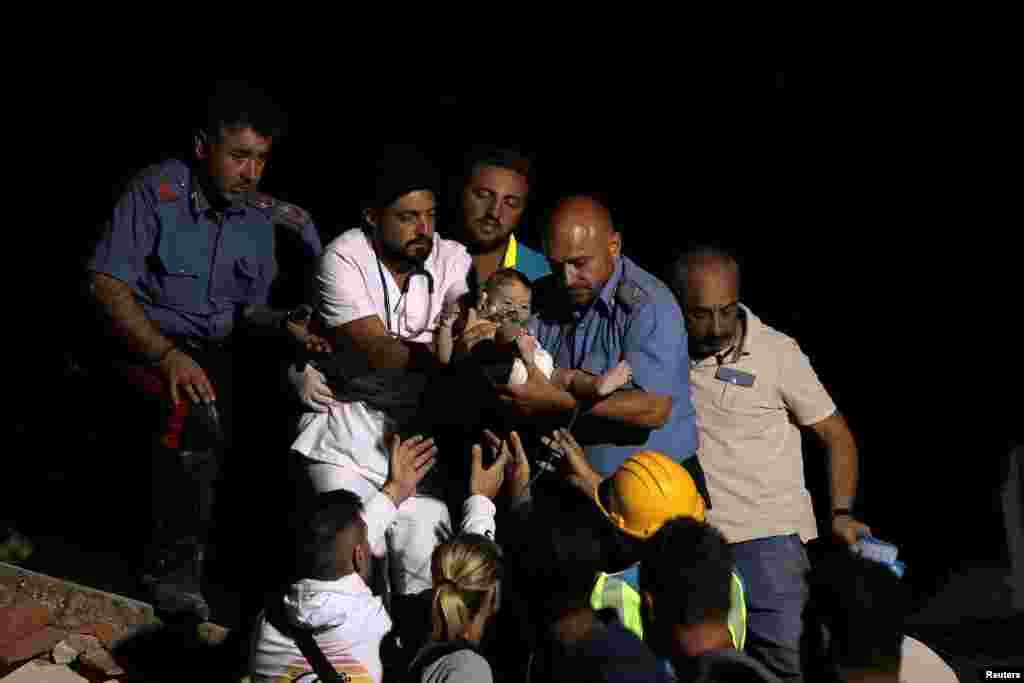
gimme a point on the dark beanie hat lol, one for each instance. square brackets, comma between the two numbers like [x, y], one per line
[399, 170]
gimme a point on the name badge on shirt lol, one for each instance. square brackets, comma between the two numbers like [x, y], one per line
[734, 376]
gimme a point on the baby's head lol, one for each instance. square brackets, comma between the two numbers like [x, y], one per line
[507, 297]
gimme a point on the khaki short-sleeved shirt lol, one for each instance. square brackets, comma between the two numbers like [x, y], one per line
[749, 445]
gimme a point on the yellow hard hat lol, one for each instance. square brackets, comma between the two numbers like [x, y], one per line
[648, 490]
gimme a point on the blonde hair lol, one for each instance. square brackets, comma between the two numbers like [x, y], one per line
[465, 570]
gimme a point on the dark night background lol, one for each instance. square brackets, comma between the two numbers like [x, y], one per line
[868, 226]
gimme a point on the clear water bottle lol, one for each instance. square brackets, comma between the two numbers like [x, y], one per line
[879, 551]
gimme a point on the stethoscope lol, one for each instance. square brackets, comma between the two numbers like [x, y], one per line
[419, 270]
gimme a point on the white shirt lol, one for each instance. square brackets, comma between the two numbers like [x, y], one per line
[349, 288]
[349, 623]
[349, 285]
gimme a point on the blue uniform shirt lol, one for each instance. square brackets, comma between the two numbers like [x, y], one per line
[191, 268]
[637, 319]
[530, 262]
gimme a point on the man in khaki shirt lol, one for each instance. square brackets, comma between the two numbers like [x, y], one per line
[752, 387]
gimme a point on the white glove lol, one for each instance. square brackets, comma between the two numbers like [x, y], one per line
[311, 387]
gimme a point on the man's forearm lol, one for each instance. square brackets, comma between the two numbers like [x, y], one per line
[387, 353]
[634, 408]
[842, 457]
[841, 450]
[128, 320]
[444, 344]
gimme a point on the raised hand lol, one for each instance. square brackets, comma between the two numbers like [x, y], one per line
[409, 462]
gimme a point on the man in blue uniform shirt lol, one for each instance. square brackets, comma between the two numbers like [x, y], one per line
[598, 308]
[188, 255]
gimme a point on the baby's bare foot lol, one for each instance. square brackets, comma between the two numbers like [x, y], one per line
[614, 379]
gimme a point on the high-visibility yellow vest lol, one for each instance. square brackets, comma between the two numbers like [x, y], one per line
[612, 591]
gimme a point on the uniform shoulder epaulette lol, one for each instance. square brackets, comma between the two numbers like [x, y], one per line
[630, 294]
[281, 212]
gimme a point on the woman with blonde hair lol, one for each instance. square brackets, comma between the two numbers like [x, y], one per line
[467, 577]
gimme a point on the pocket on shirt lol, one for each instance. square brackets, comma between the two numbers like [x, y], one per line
[743, 400]
[179, 280]
[248, 279]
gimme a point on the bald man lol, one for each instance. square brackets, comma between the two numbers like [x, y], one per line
[598, 308]
[752, 386]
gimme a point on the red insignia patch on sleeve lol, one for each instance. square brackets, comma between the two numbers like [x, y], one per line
[261, 201]
[165, 192]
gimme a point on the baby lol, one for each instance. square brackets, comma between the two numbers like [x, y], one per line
[506, 299]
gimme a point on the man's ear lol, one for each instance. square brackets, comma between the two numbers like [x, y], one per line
[615, 243]
[201, 141]
[360, 556]
[372, 217]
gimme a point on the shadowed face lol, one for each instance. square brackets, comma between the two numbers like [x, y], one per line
[582, 248]
[711, 308]
[234, 161]
[510, 301]
[492, 204]
[405, 229]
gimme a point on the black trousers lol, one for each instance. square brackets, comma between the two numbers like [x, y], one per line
[187, 445]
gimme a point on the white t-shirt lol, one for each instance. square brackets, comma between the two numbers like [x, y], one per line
[349, 288]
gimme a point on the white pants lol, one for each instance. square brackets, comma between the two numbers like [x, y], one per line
[421, 524]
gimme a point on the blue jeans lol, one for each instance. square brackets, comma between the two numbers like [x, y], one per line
[774, 570]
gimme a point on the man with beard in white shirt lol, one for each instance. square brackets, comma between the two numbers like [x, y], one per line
[380, 288]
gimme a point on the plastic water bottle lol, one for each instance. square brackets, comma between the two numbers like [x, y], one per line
[879, 551]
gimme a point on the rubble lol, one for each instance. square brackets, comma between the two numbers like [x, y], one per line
[73, 625]
[93, 636]
[41, 672]
[64, 653]
[27, 647]
[101, 661]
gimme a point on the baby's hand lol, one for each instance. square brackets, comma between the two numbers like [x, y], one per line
[527, 344]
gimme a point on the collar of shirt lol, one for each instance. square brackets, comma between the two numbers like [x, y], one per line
[200, 204]
[603, 302]
[348, 584]
[751, 328]
[431, 265]
[322, 605]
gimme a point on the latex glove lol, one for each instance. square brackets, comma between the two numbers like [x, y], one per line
[311, 388]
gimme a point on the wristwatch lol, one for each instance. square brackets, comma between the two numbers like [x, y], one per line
[299, 314]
